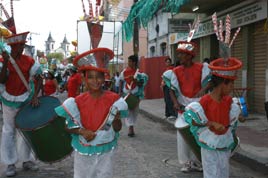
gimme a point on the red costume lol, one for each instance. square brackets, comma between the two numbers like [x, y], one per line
[93, 117]
[49, 87]
[73, 85]
[189, 79]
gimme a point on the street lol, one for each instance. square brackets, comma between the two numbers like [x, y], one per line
[151, 154]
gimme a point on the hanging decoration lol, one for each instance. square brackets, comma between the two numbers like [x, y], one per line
[144, 10]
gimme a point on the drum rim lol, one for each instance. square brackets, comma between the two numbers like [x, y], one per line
[41, 126]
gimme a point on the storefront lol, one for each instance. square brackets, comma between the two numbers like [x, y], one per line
[250, 46]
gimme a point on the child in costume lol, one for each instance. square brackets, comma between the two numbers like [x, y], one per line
[132, 82]
[213, 119]
[50, 88]
[93, 117]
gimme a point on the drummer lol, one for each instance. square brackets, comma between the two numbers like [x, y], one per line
[214, 128]
[133, 81]
[14, 95]
[93, 118]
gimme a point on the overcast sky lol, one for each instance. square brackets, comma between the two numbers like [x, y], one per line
[44, 16]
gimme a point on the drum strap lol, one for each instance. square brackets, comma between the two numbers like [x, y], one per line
[130, 85]
[16, 67]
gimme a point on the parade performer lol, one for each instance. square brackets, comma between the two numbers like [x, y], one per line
[50, 88]
[132, 84]
[93, 117]
[17, 76]
[213, 119]
[74, 82]
[188, 83]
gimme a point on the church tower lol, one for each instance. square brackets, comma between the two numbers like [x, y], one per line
[65, 46]
[50, 44]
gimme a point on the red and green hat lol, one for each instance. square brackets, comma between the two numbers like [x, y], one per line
[19, 38]
[225, 66]
[96, 59]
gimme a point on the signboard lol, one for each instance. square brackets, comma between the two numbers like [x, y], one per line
[179, 25]
[240, 17]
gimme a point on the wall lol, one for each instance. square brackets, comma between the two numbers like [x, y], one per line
[154, 68]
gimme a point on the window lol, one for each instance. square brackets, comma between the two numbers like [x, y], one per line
[152, 51]
[163, 47]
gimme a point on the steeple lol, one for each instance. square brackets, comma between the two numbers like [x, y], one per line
[65, 45]
[50, 44]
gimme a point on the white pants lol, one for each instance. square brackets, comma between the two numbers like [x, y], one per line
[185, 153]
[215, 163]
[132, 117]
[96, 166]
[9, 154]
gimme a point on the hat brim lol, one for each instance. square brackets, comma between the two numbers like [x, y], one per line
[220, 68]
[90, 67]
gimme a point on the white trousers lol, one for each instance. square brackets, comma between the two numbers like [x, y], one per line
[9, 152]
[215, 163]
[96, 166]
[185, 153]
[132, 117]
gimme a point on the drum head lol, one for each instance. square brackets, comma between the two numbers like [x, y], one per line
[30, 118]
[180, 123]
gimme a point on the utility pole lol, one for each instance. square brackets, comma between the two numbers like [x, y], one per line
[135, 34]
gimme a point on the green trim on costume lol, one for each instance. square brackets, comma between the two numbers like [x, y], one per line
[92, 150]
[205, 81]
[167, 81]
[85, 150]
[189, 116]
[123, 113]
[19, 104]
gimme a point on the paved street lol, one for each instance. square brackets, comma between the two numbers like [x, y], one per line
[151, 154]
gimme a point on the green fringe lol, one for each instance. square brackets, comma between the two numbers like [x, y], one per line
[144, 10]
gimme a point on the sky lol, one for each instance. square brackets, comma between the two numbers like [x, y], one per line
[44, 16]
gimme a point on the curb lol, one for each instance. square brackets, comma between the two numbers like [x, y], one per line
[240, 156]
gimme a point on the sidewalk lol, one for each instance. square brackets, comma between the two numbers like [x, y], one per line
[253, 134]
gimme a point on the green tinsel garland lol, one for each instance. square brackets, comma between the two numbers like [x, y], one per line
[144, 10]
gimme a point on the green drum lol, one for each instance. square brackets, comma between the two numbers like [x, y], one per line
[44, 131]
[132, 101]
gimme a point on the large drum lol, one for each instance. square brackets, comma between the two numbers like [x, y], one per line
[44, 131]
[132, 101]
[184, 129]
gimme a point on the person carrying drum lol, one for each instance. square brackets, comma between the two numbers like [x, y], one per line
[93, 117]
[188, 83]
[132, 83]
[18, 75]
[214, 118]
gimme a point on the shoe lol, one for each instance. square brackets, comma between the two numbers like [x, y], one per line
[131, 134]
[186, 167]
[11, 170]
[196, 167]
[29, 165]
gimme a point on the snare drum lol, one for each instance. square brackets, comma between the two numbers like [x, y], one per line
[44, 131]
[132, 101]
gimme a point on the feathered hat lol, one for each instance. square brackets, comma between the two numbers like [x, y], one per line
[188, 46]
[225, 66]
[96, 59]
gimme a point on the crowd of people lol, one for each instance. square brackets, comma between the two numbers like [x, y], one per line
[196, 94]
